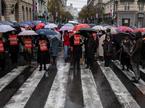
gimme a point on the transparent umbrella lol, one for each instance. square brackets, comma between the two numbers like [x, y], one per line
[6, 28]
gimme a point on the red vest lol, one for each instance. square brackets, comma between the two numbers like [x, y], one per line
[28, 43]
[43, 45]
[76, 39]
[13, 40]
[1, 47]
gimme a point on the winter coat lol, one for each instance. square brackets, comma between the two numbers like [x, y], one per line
[100, 48]
[108, 48]
[54, 46]
[136, 53]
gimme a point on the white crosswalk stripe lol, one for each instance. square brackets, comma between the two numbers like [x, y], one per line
[90, 94]
[57, 96]
[20, 99]
[140, 85]
[4, 81]
[124, 97]
[58, 92]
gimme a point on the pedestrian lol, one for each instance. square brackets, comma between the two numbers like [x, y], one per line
[125, 53]
[66, 44]
[2, 53]
[13, 47]
[136, 56]
[91, 49]
[54, 48]
[108, 50]
[28, 49]
[43, 54]
[76, 47]
[100, 48]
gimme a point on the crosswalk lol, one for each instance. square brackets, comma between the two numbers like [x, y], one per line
[127, 93]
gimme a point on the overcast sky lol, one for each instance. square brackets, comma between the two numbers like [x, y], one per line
[77, 3]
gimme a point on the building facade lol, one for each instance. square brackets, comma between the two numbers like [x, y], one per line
[16, 10]
[126, 12]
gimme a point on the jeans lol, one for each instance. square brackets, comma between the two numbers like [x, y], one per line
[66, 52]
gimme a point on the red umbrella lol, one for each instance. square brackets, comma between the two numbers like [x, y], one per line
[139, 30]
[79, 26]
[125, 29]
[40, 26]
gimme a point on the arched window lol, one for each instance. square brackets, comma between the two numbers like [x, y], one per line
[27, 15]
[16, 12]
[3, 7]
[23, 12]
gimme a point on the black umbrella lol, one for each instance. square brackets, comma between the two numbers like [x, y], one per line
[86, 31]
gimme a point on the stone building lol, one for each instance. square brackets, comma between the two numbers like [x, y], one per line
[16, 10]
[126, 12]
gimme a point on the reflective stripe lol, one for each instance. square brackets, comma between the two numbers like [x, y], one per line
[43, 45]
[76, 39]
[28, 43]
[13, 40]
[1, 47]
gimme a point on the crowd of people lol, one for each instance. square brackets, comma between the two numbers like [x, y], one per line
[102, 45]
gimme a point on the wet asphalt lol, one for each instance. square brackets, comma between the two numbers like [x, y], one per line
[74, 98]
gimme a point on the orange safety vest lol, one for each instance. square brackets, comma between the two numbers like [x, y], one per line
[28, 43]
[76, 39]
[13, 40]
[43, 45]
[1, 47]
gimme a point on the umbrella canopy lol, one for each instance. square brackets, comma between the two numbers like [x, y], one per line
[85, 31]
[140, 30]
[68, 27]
[79, 26]
[26, 23]
[6, 28]
[27, 33]
[113, 29]
[99, 27]
[125, 29]
[40, 26]
[46, 32]
[51, 25]
[6, 23]
[73, 22]
[36, 22]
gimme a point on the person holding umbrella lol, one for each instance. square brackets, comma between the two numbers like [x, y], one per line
[28, 49]
[43, 55]
[13, 46]
[76, 47]
[2, 53]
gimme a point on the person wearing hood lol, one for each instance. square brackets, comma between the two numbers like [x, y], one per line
[43, 53]
[2, 53]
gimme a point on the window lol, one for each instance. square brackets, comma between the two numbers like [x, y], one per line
[127, 6]
[141, 6]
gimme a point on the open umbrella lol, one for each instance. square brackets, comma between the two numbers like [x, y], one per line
[99, 27]
[27, 33]
[51, 25]
[113, 29]
[40, 26]
[85, 31]
[6, 28]
[125, 29]
[68, 27]
[140, 30]
[79, 26]
[46, 32]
